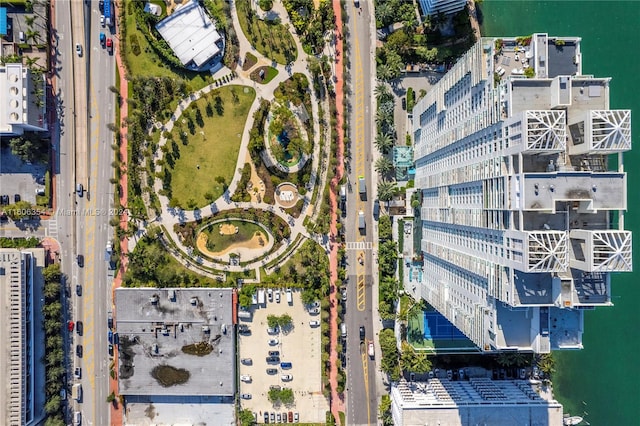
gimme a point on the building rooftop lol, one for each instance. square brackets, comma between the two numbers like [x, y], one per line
[477, 401]
[154, 413]
[191, 35]
[155, 325]
[19, 89]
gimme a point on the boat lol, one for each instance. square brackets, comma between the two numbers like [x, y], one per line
[573, 420]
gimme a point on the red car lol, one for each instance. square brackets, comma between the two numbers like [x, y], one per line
[70, 325]
[110, 45]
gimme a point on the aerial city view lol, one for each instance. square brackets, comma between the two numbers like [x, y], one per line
[323, 212]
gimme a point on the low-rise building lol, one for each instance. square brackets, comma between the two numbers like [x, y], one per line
[23, 95]
[177, 349]
[477, 401]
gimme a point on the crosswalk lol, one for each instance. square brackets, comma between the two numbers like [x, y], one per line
[359, 245]
[52, 225]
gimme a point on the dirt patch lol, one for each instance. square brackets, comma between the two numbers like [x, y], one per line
[198, 349]
[249, 61]
[257, 185]
[257, 241]
[168, 376]
[228, 229]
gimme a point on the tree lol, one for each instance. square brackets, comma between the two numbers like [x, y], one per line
[382, 93]
[412, 361]
[20, 210]
[273, 321]
[23, 148]
[386, 190]
[399, 42]
[52, 273]
[384, 411]
[52, 405]
[383, 165]
[384, 72]
[246, 418]
[383, 142]
[29, 20]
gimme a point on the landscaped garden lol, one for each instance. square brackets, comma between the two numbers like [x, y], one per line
[219, 238]
[202, 150]
[272, 39]
[288, 142]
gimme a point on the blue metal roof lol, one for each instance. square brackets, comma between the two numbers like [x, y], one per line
[3, 21]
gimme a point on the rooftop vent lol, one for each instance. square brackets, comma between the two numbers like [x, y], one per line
[153, 299]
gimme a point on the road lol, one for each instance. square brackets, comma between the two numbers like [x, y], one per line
[361, 370]
[85, 156]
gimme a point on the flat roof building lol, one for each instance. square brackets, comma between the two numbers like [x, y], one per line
[433, 7]
[21, 369]
[478, 401]
[177, 346]
[192, 36]
[512, 151]
[23, 95]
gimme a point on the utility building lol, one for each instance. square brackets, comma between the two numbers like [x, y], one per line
[519, 162]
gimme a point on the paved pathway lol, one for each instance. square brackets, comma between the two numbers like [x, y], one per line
[337, 400]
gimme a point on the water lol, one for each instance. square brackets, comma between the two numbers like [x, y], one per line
[601, 382]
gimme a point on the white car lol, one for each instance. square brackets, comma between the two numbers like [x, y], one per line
[79, 49]
[277, 296]
[370, 350]
[109, 247]
[102, 20]
[245, 378]
[286, 377]
[245, 396]
[314, 323]
[314, 311]
[270, 294]
[273, 342]
[273, 330]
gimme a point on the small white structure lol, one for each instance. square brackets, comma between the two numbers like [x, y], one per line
[153, 9]
[192, 36]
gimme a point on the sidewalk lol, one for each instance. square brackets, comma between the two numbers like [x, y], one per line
[337, 401]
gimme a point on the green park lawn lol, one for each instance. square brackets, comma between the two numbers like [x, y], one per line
[217, 242]
[207, 162]
[273, 41]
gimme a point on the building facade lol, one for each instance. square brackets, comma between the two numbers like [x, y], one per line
[522, 211]
[433, 7]
[22, 396]
[24, 100]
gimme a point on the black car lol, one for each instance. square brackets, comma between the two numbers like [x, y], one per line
[79, 351]
[80, 259]
[362, 333]
[78, 373]
[16, 198]
[273, 359]
[404, 103]
[274, 353]
[266, 417]
[111, 350]
[101, 5]
[4, 200]
[79, 328]
[272, 371]
[79, 290]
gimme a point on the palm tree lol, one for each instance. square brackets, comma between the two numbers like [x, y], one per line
[29, 20]
[383, 142]
[382, 92]
[386, 190]
[33, 35]
[383, 165]
[383, 117]
[385, 73]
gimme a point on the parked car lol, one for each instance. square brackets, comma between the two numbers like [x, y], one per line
[273, 342]
[110, 336]
[79, 49]
[285, 365]
[102, 20]
[245, 396]
[371, 350]
[273, 417]
[109, 45]
[79, 328]
[314, 311]
[273, 359]
[246, 361]
[344, 295]
[78, 289]
[404, 103]
[270, 295]
[4, 200]
[290, 417]
[79, 351]
[274, 387]
[271, 371]
[277, 292]
[70, 325]
[103, 39]
[266, 417]
[461, 374]
[273, 330]
[279, 417]
[314, 323]
[245, 378]
[77, 373]
[16, 198]
[296, 418]
[80, 260]
[286, 377]
[362, 333]
[274, 353]
[111, 350]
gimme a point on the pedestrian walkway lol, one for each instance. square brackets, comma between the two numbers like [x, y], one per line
[52, 227]
[359, 245]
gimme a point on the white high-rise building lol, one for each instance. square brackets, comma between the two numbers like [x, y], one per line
[523, 202]
[23, 95]
[433, 7]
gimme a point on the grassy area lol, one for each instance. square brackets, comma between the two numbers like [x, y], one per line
[269, 74]
[216, 241]
[272, 40]
[147, 62]
[249, 61]
[205, 145]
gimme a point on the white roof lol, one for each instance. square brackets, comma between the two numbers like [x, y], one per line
[191, 34]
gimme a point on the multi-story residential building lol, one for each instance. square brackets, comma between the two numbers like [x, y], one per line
[520, 166]
[433, 7]
[24, 100]
[21, 371]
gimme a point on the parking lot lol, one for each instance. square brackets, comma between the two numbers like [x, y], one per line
[300, 346]
[20, 178]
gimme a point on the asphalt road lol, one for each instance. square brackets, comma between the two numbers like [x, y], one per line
[361, 369]
[85, 105]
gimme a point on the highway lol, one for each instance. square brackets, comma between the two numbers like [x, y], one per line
[361, 369]
[85, 107]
